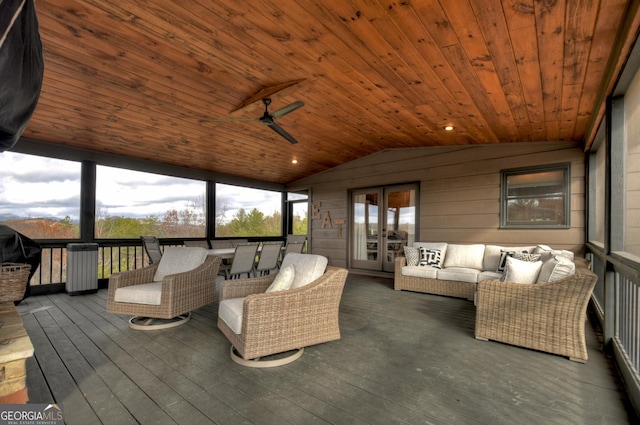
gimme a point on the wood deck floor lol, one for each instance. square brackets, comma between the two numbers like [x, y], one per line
[404, 358]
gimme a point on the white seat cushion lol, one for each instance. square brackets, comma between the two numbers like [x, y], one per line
[146, 293]
[420, 271]
[179, 260]
[308, 267]
[488, 275]
[230, 311]
[461, 274]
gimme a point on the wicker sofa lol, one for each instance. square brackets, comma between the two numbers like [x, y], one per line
[459, 267]
[547, 316]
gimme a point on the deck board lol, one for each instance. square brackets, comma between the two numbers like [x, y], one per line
[404, 358]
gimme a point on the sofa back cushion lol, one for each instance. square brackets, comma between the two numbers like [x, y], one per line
[469, 256]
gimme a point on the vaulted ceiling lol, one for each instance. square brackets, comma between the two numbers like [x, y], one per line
[136, 77]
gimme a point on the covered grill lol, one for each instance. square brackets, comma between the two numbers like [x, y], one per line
[17, 248]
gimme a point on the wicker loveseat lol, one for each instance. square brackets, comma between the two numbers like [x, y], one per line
[548, 317]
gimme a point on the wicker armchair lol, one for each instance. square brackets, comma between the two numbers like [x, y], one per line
[176, 294]
[546, 316]
[282, 321]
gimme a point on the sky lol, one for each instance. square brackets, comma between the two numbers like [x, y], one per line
[33, 186]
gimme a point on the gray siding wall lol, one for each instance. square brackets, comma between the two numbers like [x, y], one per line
[459, 194]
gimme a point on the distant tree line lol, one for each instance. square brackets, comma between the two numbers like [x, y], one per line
[186, 223]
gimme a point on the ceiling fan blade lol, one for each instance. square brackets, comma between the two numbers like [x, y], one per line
[227, 119]
[289, 108]
[275, 127]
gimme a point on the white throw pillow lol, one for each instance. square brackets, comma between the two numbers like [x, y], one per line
[430, 257]
[508, 252]
[519, 271]
[555, 268]
[283, 279]
[548, 252]
[412, 255]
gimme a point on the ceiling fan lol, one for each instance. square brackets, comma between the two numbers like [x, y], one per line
[267, 118]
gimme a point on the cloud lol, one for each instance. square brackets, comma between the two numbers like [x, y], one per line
[32, 186]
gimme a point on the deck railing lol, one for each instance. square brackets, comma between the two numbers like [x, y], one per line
[113, 257]
[616, 299]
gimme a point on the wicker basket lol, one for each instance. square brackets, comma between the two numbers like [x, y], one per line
[13, 281]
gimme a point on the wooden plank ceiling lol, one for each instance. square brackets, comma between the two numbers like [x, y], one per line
[135, 77]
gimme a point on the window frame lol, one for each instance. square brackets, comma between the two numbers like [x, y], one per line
[504, 189]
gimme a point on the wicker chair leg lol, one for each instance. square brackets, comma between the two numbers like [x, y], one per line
[151, 324]
[258, 363]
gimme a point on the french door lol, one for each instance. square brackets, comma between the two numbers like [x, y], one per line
[383, 221]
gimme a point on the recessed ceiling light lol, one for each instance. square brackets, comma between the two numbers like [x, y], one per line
[449, 128]
[294, 161]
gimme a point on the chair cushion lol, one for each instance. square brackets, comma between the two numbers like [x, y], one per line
[519, 271]
[146, 293]
[283, 279]
[467, 256]
[230, 311]
[179, 260]
[555, 268]
[308, 267]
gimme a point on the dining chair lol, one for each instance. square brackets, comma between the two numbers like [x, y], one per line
[220, 243]
[243, 261]
[152, 248]
[296, 238]
[295, 247]
[198, 244]
[269, 256]
[236, 242]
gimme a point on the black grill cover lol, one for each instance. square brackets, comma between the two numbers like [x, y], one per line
[21, 68]
[17, 248]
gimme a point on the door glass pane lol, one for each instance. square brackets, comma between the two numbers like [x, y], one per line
[400, 225]
[365, 226]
